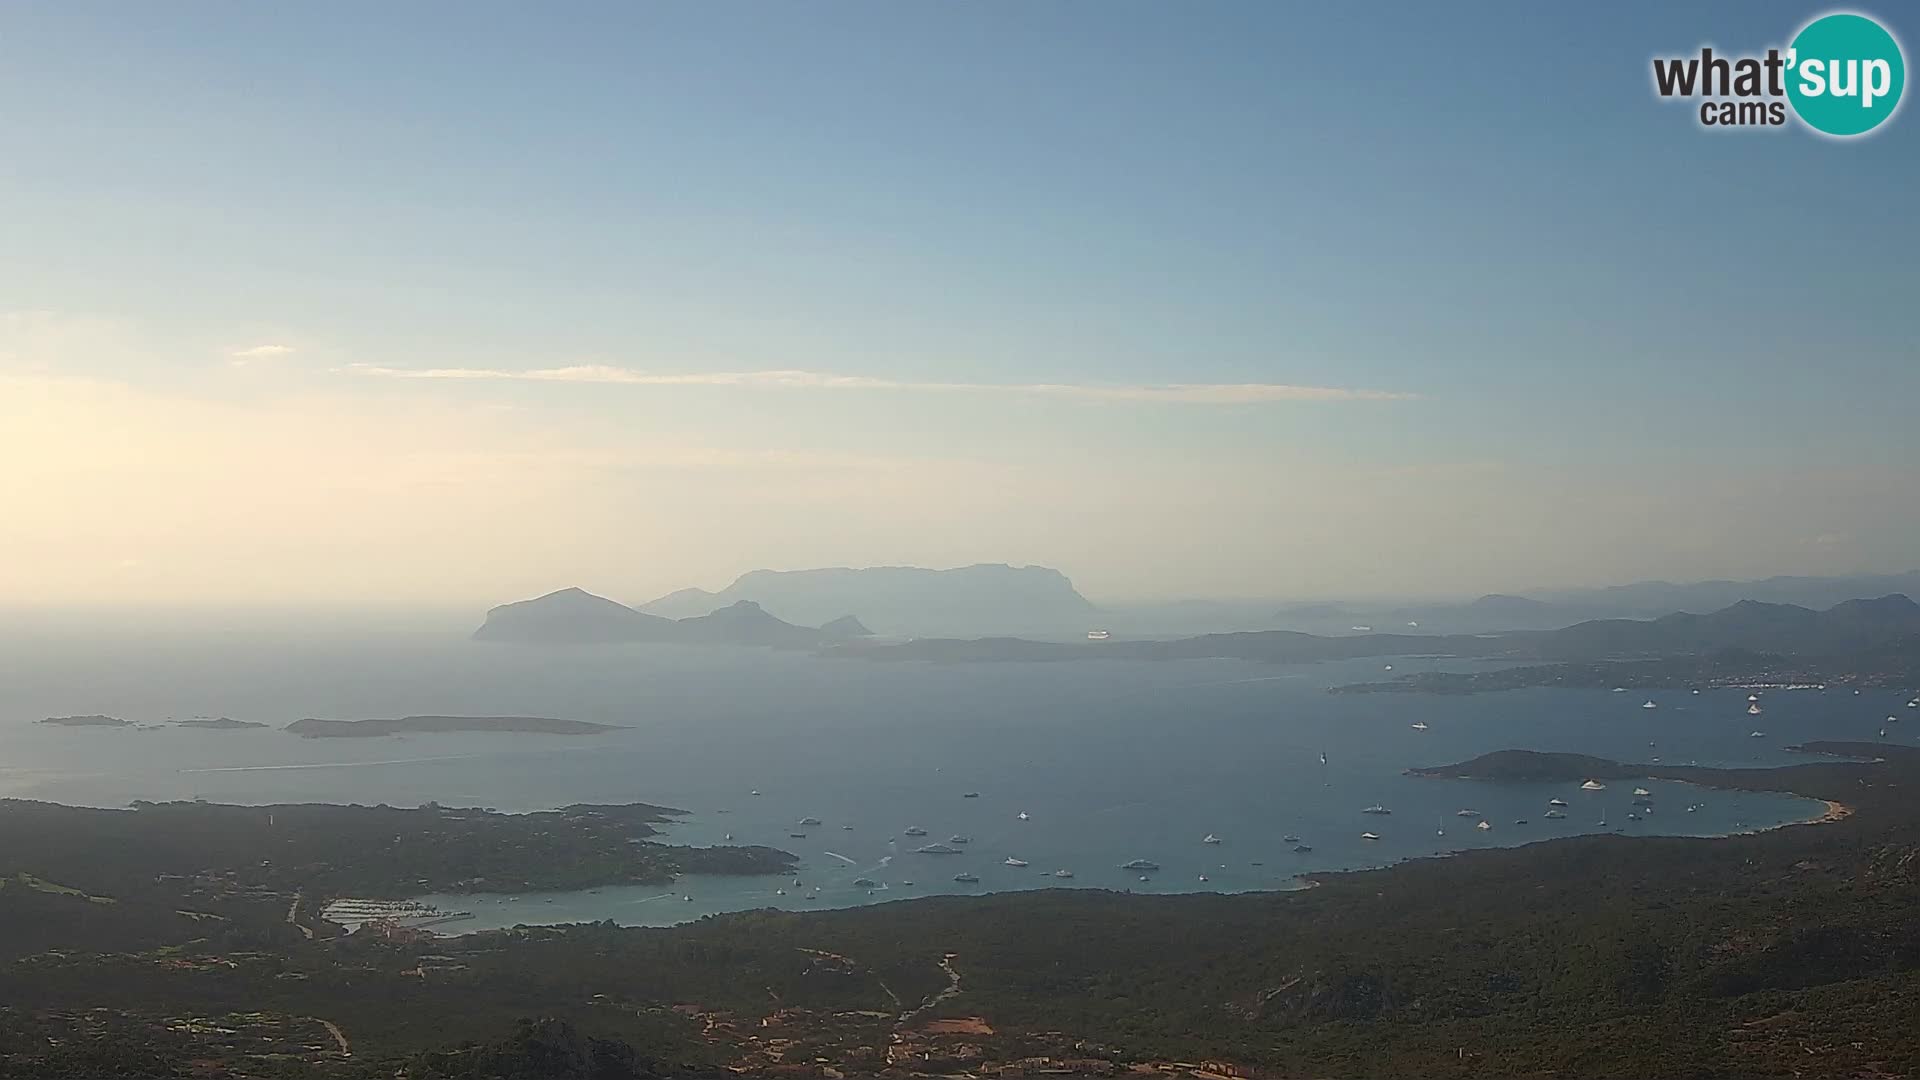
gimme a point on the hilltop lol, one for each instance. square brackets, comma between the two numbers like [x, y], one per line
[577, 617]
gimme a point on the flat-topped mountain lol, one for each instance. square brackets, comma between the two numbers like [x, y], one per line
[898, 600]
[576, 617]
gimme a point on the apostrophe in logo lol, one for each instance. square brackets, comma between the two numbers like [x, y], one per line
[1845, 74]
[1842, 75]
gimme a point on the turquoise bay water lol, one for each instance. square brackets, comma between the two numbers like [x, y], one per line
[1110, 761]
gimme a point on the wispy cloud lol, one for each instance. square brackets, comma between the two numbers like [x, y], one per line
[1182, 393]
[258, 352]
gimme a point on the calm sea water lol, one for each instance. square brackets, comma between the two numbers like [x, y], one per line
[1109, 761]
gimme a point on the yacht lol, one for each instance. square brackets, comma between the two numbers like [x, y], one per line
[1419, 725]
[1466, 813]
[937, 849]
[1649, 704]
[1619, 689]
[1642, 792]
[914, 830]
[1556, 802]
[1485, 826]
[966, 879]
[1914, 704]
[956, 838]
[729, 836]
[1063, 873]
[809, 821]
[1753, 697]
[1022, 815]
[1593, 785]
[1519, 821]
[1756, 734]
[753, 793]
[797, 835]
[1209, 839]
[1011, 861]
[865, 883]
[970, 795]
[1099, 635]
[1893, 719]
[1754, 709]
[1301, 849]
[1368, 836]
[1376, 808]
[1140, 864]
[1289, 839]
[1556, 814]
[846, 828]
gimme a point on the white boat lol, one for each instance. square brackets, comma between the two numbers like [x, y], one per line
[1753, 697]
[1914, 704]
[1209, 839]
[1619, 689]
[1466, 813]
[1098, 635]
[1368, 836]
[1556, 802]
[1556, 814]
[1011, 861]
[809, 821]
[914, 830]
[1649, 704]
[1753, 710]
[957, 838]
[1022, 815]
[1641, 791]
[1203, 877]
[1593, 785]
[1484, 826]
[1376, 809]
[1063, 873]
[729, 836]
[1893, 719]
[1419, 725]
[1756, 734]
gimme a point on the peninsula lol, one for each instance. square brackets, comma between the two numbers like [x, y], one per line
[311, 728]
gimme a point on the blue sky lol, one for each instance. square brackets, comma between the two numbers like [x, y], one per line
[1571, 300]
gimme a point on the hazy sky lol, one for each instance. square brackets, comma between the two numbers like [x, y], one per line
[448, 304]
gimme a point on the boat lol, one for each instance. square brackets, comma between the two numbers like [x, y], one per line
[1519, 821]
[1063, 873]
[1753, 710]
[1696, 691]
[970, 795]
[1203, 877]
[1484, 826]
[1556, 802]
[965, 878]
[1144, 877]
[1593, 785]
[1649, 704]
[1883, 733]
[914, 830]
[846, 828]
[1022, 815]
[1368, 836]
[865, 883]
[1693, 809]
[797, 835]
[956, 838]
[1641, 791]
[1099, 635]
[1753, 697]
[729, 836]
[1323, 757]
[1011, 861]
[1893, 719]
[1209, 839]
[1756, 734]
[809, 821]
[1439, 832]
[779, 892]
[1301, 849]
[1914, 704]
[1289, 839]
[1376, 809]
[1419, 725]
[1466, 813]
[1140, 864]
[753, 793]
[1556, 814]
[1603, 823]
[937, 849]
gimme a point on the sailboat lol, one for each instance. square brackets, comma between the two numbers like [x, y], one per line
[1419, 725]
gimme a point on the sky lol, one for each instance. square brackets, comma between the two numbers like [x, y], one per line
[438, 304]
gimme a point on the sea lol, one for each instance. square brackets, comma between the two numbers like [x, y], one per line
[1078, 767]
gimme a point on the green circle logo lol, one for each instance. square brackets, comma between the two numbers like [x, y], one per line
[1845, 74]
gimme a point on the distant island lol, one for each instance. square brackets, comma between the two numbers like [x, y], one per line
[1532, 765]
[578, 617]
[983, 598]
[95, 720]
[423, 725]
[223, 723]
